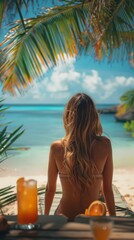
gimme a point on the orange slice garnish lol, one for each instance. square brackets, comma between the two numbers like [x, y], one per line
[96, 208]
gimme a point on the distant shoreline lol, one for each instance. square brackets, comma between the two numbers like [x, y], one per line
[52, 104]
[112, 110]
[101, 108]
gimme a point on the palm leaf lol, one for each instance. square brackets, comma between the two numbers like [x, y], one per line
[63, 31]
[112, 28]
[32, 53]
[10, 8]
[2, 7]
[8, 196]
[2, 107]
[7, 138]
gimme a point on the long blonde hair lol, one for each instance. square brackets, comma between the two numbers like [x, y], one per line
[82, 125]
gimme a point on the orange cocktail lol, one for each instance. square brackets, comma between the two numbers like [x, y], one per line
[101, 229]
[27, 201]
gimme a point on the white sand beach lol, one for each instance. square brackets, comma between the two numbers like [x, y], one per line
[123, 179]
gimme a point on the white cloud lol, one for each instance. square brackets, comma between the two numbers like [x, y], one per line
[62, 76]
[117, 84]
[35, 91]
[108, 88]
[92, 81]
[120, 80]
[65, 80]
[123, 81]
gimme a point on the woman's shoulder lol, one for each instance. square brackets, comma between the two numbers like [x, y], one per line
[103, 144]
[57, 145]
[103, 140]
[57, 149]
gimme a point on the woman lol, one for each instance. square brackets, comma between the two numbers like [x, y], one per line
[82, 159]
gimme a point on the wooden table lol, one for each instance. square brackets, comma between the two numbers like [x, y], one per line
[58, 227]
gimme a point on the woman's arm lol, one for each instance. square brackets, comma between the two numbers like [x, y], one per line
[52, 178]
[107, 182]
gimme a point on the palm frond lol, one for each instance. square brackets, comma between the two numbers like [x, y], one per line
[49, 38]
[112, 28]
[102, 27]
[8, 195]
[7, 139]
[2, 108]
[10, 8]
[2, 7]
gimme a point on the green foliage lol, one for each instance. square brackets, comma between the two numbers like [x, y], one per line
[6, 140]
[128, 99]
[104, 28]
[129, 126]
[128, 106]
[11, 8]
[8, 196]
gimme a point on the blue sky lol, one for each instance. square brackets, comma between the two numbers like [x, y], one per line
[104, 82]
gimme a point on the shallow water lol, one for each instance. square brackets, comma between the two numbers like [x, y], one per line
[43, 124]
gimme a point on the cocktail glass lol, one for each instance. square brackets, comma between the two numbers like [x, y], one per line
[101, 228]
[27, 203]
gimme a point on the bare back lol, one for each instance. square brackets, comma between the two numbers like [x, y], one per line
[73, 201]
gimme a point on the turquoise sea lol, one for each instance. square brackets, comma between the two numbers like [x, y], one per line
[43, 124]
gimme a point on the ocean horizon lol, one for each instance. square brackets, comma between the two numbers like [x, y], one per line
[43, 124]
